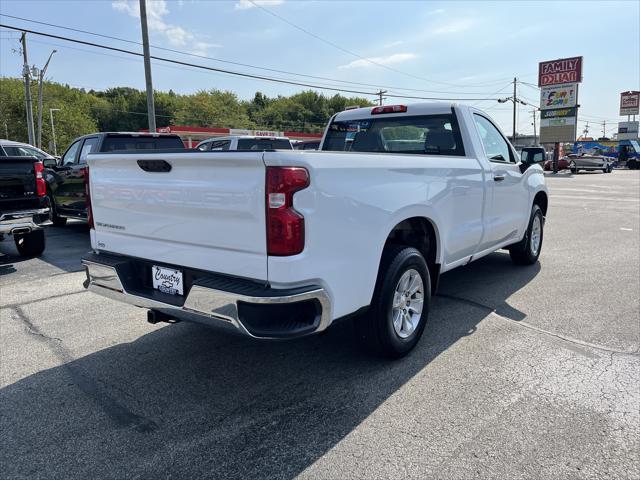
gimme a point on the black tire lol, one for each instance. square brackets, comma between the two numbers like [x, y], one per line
[522, 252]
[53, 214]
[30, 244]
[573, 167]
[376, 328]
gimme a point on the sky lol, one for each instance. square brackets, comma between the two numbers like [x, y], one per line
[452, 49]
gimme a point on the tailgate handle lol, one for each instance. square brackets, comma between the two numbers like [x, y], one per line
[157, 166]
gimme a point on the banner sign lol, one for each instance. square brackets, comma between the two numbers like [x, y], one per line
[559, 112]
[266, 133]
[557, 122]
[563, 70]
[629, 103]
[559, 96]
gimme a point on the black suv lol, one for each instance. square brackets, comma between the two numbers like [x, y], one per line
[66, 177]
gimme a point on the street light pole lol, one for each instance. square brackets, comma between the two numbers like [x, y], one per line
[151, 111]
[53, 131]
[40, 81]
[27, 89]
[515, 80]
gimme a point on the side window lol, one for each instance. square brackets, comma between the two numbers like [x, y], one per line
[221, 145]
[495, 146]
[88, 146]
[17, 152]
[34, 153]
[70, 155]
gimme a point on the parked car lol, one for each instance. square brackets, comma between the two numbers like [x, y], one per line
[24, 205]
[282, 244]
[66, 178]
[307, 145]
[589, 162]
[245, 142]
[9, 148]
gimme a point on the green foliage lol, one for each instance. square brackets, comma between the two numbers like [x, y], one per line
[124, 109]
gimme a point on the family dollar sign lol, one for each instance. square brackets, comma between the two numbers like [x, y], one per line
[564, 70]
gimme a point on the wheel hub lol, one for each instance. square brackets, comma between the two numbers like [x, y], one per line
[406, 311]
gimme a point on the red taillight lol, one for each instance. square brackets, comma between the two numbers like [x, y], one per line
[41, 186]
[389, 109]
[87, 194]
[285, 226]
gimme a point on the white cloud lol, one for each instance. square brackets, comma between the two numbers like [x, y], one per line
[175, 35]
[454, 26]
[437, 10]
[246, 4]
[388, 60]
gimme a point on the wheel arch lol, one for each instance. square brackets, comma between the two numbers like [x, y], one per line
[542, 200]
[422, 234]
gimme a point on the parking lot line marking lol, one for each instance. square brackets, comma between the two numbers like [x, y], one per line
[625, 229]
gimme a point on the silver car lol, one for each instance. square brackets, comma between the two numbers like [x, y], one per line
[589, 162]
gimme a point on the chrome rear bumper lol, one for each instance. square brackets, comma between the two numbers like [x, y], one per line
[210, 306]
[22, 221]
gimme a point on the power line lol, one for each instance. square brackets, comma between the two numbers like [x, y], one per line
[180, 52]
[342, 49]
[229, 72]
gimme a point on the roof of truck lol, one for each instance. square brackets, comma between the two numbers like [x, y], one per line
[428, 108]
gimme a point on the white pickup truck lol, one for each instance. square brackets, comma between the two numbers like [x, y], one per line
[280, 244]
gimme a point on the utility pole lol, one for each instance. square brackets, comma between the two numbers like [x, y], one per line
[53, 131]
[604, 129]
[151, 111]
[40, 82]
[585, 132]
[535, 137]
[380, 98]
[515, 82]
[27, 89]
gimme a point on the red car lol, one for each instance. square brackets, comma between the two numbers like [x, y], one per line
[563, 164]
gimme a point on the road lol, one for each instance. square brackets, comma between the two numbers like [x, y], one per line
[523, 372]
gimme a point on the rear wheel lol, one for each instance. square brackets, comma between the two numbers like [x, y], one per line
[527, 251]
[400, 307]
[30, 244]
[573, 167]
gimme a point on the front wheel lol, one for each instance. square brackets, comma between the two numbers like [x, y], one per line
[30, 244]
[400, 307]
[53, 213]
[527, 251]
[573, 167]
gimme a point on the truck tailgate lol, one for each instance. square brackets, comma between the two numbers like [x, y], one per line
[17, 184]
[206, 212]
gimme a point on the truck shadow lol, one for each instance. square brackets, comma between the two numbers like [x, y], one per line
[65, 246]
[188, 402]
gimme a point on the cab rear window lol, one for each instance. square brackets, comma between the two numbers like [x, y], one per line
[114, 143]
[424, 134]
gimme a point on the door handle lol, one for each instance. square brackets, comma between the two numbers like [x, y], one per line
[498, 178]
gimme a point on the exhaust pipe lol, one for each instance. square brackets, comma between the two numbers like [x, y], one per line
[154, 316]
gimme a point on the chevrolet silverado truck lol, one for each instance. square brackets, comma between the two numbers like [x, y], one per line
[280, 244]
[24, 205]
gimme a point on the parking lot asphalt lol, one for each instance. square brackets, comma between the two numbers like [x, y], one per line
[523, 372]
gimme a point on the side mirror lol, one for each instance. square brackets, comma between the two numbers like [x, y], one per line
[530, 156]
[50, 163]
